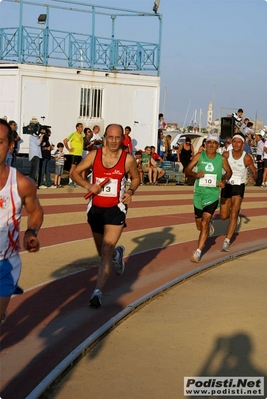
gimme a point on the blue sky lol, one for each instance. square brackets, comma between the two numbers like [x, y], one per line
[211, 50]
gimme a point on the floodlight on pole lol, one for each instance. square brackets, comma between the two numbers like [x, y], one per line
[42, 19]
[156, 6]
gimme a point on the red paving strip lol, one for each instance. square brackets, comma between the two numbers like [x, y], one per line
[48, 322]
[69, 208]
[81, 231]
[142, 193]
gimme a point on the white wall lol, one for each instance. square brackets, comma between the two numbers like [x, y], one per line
[34, 91]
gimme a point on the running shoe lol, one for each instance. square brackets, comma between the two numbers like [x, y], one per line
[4, 318]
[211, 227]
[42, 186]
[72, 184]
[225, 246]
[96, 299]
[195, 257]
[119, 265]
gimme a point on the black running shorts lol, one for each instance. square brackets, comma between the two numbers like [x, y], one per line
[211, 208]
[99, 217]
[230, 191]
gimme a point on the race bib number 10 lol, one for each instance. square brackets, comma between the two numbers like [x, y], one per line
[208, 180]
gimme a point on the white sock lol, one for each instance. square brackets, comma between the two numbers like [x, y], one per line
[198, 251]
[70, 181]
[227, 240]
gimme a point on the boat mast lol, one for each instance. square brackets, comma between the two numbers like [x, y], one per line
[187, 112]
[164, 101]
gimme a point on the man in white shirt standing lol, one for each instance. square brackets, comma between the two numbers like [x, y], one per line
[96, 139]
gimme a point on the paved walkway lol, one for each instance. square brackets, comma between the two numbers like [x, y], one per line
[213, 324]
[52, 317]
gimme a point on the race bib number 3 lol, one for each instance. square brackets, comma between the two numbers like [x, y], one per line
[208, 180]
[110, 189]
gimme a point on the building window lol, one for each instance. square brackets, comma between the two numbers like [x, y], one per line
[91, 102]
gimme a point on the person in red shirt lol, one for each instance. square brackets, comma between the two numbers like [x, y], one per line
[127, 140]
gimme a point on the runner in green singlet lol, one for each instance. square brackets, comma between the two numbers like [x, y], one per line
[209, 181]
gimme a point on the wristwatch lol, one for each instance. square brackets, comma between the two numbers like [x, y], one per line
[33, 231]
[132, 190]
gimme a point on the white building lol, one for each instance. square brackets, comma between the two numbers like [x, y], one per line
[65, 96]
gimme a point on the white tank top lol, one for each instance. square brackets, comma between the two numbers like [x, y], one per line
[238, 168]
[10, 215]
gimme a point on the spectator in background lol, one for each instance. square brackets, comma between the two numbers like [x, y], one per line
[161, 122]
[59, 161]
[13, 126]
[238, 116]
[167, 145]
[127, 140]
[161, 148]
[185, 154]
[44, 172]
[247, 146]
[156, 161]
[96, 139]
[203, 146]
[248, 131]
[35, 152]
[9, 156]
[87, 144]
[138, 158]
[264, 178]
[260, 164]
[244, 125]
[146, 165]
[74, 144]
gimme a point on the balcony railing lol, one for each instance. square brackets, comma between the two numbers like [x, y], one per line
[74, 50]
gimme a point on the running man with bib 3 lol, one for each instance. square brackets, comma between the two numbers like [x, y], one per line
[107, 206]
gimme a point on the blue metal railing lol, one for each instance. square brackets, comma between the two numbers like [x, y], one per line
[76, 50]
